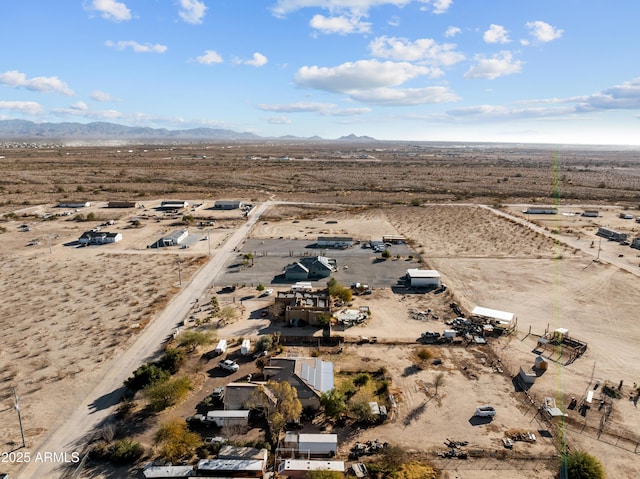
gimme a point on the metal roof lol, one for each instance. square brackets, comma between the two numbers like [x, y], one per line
[502, 316]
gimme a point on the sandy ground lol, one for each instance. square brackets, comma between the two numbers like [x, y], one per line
[67, 311]
[87, 300]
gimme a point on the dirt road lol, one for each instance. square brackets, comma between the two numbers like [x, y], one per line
[72, 435]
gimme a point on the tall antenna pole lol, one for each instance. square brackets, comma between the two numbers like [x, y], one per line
[179, 272]
[17, 408]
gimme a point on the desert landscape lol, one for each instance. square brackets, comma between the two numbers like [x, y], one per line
[69, 311]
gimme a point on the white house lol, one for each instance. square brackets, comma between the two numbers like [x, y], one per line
[99, 237]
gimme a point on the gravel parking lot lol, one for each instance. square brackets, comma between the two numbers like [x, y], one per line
[355, 264]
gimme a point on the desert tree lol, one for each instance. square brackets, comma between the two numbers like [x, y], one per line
[190, 340]
[163, 394]
[279, 400]
[175, 441]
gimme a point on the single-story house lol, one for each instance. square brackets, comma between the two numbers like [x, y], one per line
[309, 376]
[296, 271]
[99, 237]
[310, 267]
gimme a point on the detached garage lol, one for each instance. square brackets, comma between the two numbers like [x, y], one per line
[423, 278]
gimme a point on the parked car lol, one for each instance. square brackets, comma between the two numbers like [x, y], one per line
[485, 411]
[218, 394]
[214, 440]
[229, 365]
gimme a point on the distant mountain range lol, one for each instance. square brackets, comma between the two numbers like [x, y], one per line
[22, 130]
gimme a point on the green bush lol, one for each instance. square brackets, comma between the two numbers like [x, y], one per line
[145, 375]
[361, 379]
[172, 360]
[582, 465]
[163, 394]
[125, 451]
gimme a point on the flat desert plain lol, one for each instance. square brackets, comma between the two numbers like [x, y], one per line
[68, 311]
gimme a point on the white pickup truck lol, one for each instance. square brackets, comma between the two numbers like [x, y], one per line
[229, 365]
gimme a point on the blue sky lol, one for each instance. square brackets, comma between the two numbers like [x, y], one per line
[561, 71]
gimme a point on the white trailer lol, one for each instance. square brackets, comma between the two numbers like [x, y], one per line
[245, 348]
[318, 444]
[228, 418]
[221, 348]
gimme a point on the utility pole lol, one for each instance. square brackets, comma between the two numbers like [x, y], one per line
[179, 272]
[209, 241]
[599, 243]
[17, 408]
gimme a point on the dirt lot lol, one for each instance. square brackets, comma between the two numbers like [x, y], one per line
[68, 310]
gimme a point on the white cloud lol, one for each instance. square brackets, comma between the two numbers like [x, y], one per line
[258, 60]
[209, 57]
[98, 95]
[498, 65]
[618, 97]
[339, 24]
[80, 106]
[360, 75]
[16, 79]
[496, 34]
[137, 47]
[424, 50]
[452, 32]
[543, 32]
[359, 7]
[111, 10]
[394, 21]
[499, 112]
[27, 107]
[279, 120]
[441, 6]
[326, 109]
[405, 96]
[192, 11]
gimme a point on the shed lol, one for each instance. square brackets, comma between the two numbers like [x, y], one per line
[527, 376]
[422, 278]
[172, 239]
[502, 318]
